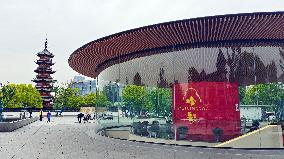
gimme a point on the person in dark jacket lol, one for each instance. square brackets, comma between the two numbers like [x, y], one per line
[30, 111]
[80, 116]
[48, 116]
[40, 115]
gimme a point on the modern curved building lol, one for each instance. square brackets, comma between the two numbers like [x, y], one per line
[246, 48]
[203, 60]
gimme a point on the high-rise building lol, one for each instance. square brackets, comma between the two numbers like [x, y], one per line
[44, 81]
[84, 86]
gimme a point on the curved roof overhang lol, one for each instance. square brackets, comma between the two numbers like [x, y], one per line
[249, 29]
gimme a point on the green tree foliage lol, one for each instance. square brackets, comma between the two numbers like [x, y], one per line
[90, 99]
[134, 96]
[102, 100]
[1, 95]
[159, 101]
[68, 98]
[111, 91]
[21, 96]
[140, 100]
[242, 94]
[265, 94]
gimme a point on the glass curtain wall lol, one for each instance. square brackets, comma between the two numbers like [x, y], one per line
[200, 96]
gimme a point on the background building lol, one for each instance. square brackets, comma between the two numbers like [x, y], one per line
[113, 91]
[84, 86]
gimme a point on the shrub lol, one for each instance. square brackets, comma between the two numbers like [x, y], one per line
[182, 132]
[218, 132]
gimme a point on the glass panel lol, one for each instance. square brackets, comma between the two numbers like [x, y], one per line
[200, 96]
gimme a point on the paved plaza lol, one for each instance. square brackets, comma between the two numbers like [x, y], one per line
[65, 138]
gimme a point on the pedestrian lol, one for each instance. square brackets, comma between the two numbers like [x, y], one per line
[40, 115]
[85, 118]
[30, 111]
[24, 114]
[80, 116]
[88, 117]
[60, 113]
[48, 116]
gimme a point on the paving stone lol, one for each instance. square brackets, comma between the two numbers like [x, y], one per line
[63, 138]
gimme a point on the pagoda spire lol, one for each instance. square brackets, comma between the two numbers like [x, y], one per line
[45, 43]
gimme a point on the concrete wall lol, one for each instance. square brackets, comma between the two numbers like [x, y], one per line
[11, 126]
[267, 137]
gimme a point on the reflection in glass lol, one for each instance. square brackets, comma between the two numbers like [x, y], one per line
[205, 96]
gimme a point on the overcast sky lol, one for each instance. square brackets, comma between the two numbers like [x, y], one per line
[69, 24]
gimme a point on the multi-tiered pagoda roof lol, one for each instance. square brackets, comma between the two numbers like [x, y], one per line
[44, 81]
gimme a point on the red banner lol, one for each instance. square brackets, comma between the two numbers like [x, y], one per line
[204, 106]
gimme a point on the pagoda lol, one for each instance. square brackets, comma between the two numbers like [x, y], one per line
[43, 80]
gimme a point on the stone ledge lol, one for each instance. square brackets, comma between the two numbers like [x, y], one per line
[11, 126]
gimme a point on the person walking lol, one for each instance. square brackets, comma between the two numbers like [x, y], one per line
[40, 115]
[30, 111]
[48, 116]
[80, 116]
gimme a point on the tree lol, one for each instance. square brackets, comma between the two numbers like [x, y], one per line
[242, 94]
[260, 71]
[221, 62]
[137, 80]
[221, 67]
[29, 96]
[245, 66]
[271, 72]
[233, 62]
[111, 90]
[193, 75]
[162, 83]
[159, 101]
[202, 75]
[69, 98]
[1, 95]
[102, 101]
[267, 94]
[245, 69]
[90, 99]
[165, 96]
[21, 96]
[9, 92]
[281, 63]
[218, 132]
[133, 96]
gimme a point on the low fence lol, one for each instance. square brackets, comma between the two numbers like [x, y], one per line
[11, 126]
